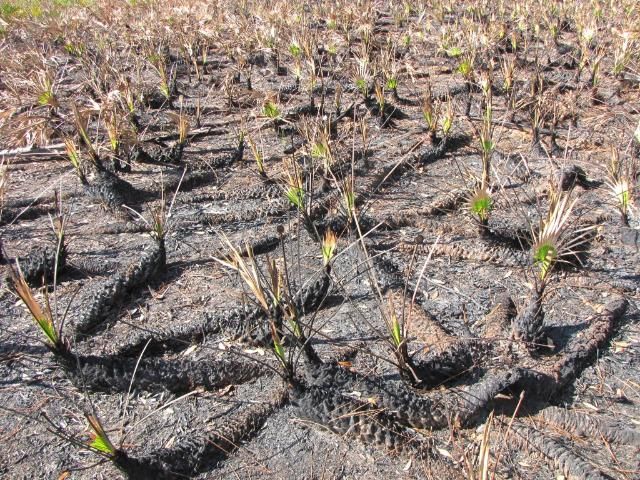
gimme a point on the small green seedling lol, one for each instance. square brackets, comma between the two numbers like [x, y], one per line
[294, 190]
[481, 205]
[43, 318]
[555, 238]
[99, 438]
[271, 110]
[328, 247]
[621, 184]
[454, 52]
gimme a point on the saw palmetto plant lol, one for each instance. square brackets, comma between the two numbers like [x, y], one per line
[99, 440]
[113, 131]
[622, 184]
[349, 198]
[481, 205]
[81, 122]
[44, 317]
[322, 151]
[448, 117]
[271, 110]
[182, 124]
[329, 243]
[466, 67]
[314, 315]
[258, 155]
[75, 158]
[271, 295]
[556, 239]
[293, 185]
[320, 148]
[397, 329]
[430, 112]
[165, 76]
[362, 77]
[391, 84]
[45, 90]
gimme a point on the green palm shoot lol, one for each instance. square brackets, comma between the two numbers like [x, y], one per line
[295, 50]
[294, 191]
[465, 68]
[271, 110]
[481, 204]
[42, 317]
[99, 439]
[396, 330]
[556, 238]
[621, 192]
[397, 337]
[81, 122]
[454, 52]
[544, 256]
[278, 349]
[46, 95]
[295, 195]
[114, 131]
[329, 243]
[363, 88]
[620, 182]
[291, 314]
[258, 156]
[320, 150]
[349, 200]
[73, 154]
[447, 120]
[158, 62]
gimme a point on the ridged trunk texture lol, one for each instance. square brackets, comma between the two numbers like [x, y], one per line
[571, 465]
[106, 296]
[201, 451]
[39, 265]
[113, 374]
[347, 416]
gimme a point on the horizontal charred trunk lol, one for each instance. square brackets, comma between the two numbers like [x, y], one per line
[363, 420]
[172, 338]
[39, 265]
[114, 374]
[584, 425]
[112, 293]
[568, 462]
[201, 451]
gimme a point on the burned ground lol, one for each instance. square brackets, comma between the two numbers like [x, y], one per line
[374, 118]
